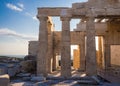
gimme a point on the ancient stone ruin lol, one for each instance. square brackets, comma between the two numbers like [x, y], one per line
[99, 18]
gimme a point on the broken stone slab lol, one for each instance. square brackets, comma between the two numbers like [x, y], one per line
[47, 83]
[30, 57]
[10, 65]
[28, 66]
[28, 84]
[87, 82]
[4, 80]
[33, 75]
[23, 75]
[54, 78]
[11, 72]
[3, 70]
[79, 78]
[26, 78]
[17, 68]
[96, 79]
[38, 79]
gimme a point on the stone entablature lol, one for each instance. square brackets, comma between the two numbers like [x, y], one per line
[99, 27]
[100, 8]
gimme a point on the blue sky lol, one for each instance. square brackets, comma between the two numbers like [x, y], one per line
[18, 23]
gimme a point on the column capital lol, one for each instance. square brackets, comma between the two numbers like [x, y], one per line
[91, 13]
[65, 18]
[41, 17]
[90, 18]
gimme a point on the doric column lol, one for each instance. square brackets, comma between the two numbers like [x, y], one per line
[76, 59]
[82, 52]
[65, 48]
[43, 46]
[55, 61]
[100, 53]
[50, 46]
[107, 60]
[91, 68]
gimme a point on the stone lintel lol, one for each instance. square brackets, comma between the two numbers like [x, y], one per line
[99, 27]
[79, 13]
[65, 18]
[78, 5]
[52, 11]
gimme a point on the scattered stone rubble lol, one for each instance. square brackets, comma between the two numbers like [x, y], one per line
[15, 73]
[29, 64]
[4, 80]
[10, 66]
[19, 69]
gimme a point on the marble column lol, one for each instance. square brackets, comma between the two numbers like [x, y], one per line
[76, 59]
[107, 60]
[65, 48]
[50, 47]
[43, 46]
[55, 61]
[82, 52]
[100, 54]
[91, 65]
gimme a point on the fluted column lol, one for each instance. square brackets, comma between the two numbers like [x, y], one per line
[43, 46]
[107, 60]
[55, 61]
[49, 58]
[65, 48]
[91, 67]
[82, 53]
[100, 53]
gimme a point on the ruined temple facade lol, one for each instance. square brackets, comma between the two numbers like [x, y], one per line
[99, 18]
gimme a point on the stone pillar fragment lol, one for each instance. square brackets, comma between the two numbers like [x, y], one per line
[65, 48]
[43, 46]
[91, 68]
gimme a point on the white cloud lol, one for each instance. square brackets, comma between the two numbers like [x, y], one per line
[21, 5]
[34, 18]
[30, 15]
[14, 7]
[8, 32]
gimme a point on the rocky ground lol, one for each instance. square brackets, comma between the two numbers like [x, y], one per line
[22, 72]
[54, 79]
[64, 82]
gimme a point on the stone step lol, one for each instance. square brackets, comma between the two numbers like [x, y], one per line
[87, 82]
[71, 78]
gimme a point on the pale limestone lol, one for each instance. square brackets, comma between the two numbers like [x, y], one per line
[53, 43]
[90, 48]
[65, 48]
[4, 80]
[76, 59]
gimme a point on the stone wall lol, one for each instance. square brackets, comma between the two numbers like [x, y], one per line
[33, 48]
[115, 55]
[111, 37]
